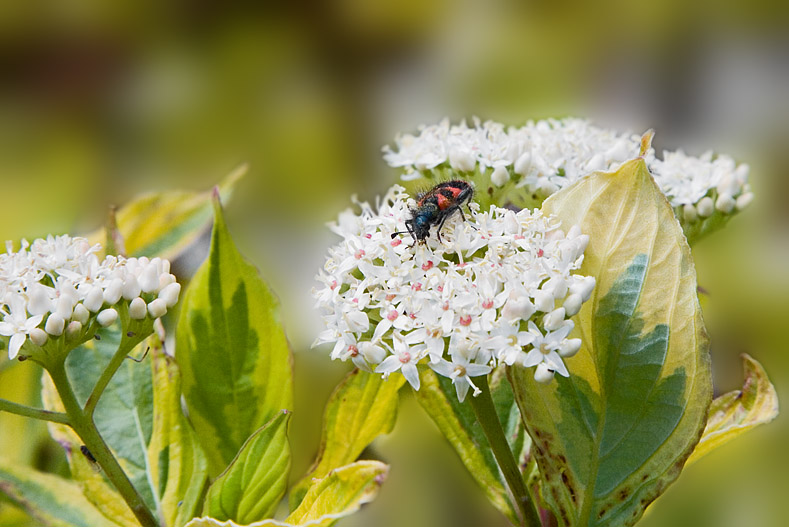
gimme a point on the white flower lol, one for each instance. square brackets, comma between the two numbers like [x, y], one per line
[548, 155]
[58, 286]
[462, 305]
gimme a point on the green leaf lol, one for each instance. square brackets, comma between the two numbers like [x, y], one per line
[610, 438]
[232, 350]
[160, 454]
[457, 423]
[339, 494]
[51, 500]
[737, 412]
[361, 408]
[165, 223]
[254, 483]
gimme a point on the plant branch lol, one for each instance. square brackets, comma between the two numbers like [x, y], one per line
[35, 413]
[485, 412]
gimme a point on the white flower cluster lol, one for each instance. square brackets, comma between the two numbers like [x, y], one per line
[58, 286]
[498, 288]
[547, 155]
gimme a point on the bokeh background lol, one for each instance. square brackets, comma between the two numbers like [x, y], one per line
[100, 101]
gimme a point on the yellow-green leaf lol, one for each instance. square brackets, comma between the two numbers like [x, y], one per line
[49, 499]
[737, 412]
[340, 493]
[164, 223]
[254, 483]
[232, 350]
[611, 437]
[362, 407]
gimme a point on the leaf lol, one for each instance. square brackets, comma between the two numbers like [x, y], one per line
[610, 438]
[159, 453]
[232, 350]
[362, 407]
[20, 382]
[51, 500]
[457, 423]
[178, 466]
[339, 494]
[254, 483]
[737, 412]
[164, 223]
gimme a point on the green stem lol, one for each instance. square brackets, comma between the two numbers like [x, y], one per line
[124, 348]
[491, 426]
[83, 425]
[35, 413]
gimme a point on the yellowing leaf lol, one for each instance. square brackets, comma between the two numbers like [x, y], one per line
[611, 437]
[49, 499]
[737, 412]
[164, 223]
[362, 407]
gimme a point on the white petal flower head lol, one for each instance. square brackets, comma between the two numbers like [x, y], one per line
[57, 288]
[460, 305]
[545, 156]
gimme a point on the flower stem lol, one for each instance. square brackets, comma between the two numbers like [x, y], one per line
[35, 413]
[82, 423]
[126, 345]
[491, 426]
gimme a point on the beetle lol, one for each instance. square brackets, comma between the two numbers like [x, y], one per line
[435, 206]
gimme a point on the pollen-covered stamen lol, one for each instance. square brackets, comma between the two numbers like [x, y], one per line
[353, 350]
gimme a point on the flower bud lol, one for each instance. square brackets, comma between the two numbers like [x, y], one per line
[500, 176]
[554, 320]
[64, 307]
[149, 279]
[165, 279]
[131, 289]
[137, 309]
[557, 287]
[569, 347]
[73, 329]
[94, 300]
[81, 314]
[705, 207]
[113, 291]
[572, 304]
[595, 164]
[170, 294]
[107, 317]
[583, 287]
[543, 373]
[689, 213]
[743, 200]
[523, 164]
[55, 325]
[38, 336]
[725, 203]
[157, 308]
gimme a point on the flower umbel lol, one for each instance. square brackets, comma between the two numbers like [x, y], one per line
[56, 290]
[493, 286]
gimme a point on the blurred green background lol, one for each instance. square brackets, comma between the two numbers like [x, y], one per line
[100, 101]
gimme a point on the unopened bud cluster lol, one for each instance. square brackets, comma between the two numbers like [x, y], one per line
[59, 288]
[536, 160]
[499, 288]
